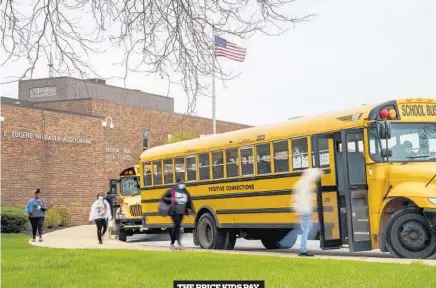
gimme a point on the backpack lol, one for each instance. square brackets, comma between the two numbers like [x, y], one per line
[166, 209]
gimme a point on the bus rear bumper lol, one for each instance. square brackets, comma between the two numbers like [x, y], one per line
[430, 215]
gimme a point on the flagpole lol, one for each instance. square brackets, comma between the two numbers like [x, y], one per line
[213, 86]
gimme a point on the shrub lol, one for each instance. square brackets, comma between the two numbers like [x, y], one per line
[52, 218]
[13, 220]
[65, 216]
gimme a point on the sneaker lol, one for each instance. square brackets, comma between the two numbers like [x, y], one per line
[306, 254]
[100, 242]
[33, 240]
[40, 239]
[181, 247]
[172, 247]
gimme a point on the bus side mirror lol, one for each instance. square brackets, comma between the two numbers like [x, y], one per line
[384, 130]
[386, 153]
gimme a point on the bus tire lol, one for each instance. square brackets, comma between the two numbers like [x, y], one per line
[209, 235]
[231, 241]
[408, 235]
[123, 235]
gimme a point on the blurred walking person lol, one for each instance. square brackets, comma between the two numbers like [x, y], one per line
[35, 210]
[180, 202]
[100, 213]
[303, 206]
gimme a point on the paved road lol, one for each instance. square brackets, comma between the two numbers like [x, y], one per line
[251, 245]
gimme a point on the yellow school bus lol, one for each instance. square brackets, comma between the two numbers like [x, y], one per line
[378, 189]
[128, 216]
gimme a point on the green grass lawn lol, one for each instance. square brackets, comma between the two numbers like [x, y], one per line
[26, 266]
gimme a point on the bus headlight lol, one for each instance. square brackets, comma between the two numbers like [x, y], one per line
[432, 200]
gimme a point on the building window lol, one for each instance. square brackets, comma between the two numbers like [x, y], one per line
[263, 159]
[204, 166]
[42, 92]
[179, 165]
[191, 168]
[146, 141]
[157, 172]
[168, 171]
[300, 159]
[232, 162]
[217, 165]
[247, 163]
[281, 156]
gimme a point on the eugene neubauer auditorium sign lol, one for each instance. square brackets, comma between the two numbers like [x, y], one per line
[47, 137]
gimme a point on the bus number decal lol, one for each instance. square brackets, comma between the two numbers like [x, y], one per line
[260, 137]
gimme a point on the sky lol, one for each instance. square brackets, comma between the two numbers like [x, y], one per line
[349, 54]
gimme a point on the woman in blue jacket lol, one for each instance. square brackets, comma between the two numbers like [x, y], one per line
[35, 210]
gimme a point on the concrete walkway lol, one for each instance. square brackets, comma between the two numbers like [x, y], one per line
[84, 237]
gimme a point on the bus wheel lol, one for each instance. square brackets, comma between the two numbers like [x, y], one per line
[272, 239]
[209, 235]
[408, 235]
[123, 235]
[231, 241]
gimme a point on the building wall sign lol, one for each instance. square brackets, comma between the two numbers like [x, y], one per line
[115, 155]
[46, 137]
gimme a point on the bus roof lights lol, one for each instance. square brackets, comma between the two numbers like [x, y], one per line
[384, 113]
[392, 114]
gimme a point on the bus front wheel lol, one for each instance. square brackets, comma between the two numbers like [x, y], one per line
[408, 235]
[123, 235]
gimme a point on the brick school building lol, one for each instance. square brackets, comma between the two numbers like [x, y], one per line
[59, 143]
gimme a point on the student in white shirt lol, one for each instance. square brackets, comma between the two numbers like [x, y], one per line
[303, 206]
[100, 213]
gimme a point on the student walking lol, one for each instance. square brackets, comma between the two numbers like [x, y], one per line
[35, 210]
[303, 206]
[100, 213]
[181, 203]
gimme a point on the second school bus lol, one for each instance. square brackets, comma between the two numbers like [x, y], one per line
[378, 189]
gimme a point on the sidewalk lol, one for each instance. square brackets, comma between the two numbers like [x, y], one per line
[84, 237]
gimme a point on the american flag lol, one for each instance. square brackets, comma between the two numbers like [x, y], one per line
[229, 50]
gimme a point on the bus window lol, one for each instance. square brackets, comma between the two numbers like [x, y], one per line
[191, 168]
[299, 154]
[204, 166]
[247, 163]
[281, 156]
[168, 171]
[324, 157]
[179, 164]
[263, 158]
[147, 174]
[217, 165]
[157, 172]
[232, 162]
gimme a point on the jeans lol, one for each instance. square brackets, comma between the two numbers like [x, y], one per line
[307, 233]
[101, 227]
[37, 225]
[175, 231]
[306, 221]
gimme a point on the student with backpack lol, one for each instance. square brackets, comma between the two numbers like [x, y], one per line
[178, 203]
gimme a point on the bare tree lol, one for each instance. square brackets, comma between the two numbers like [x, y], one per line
[164, 37]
